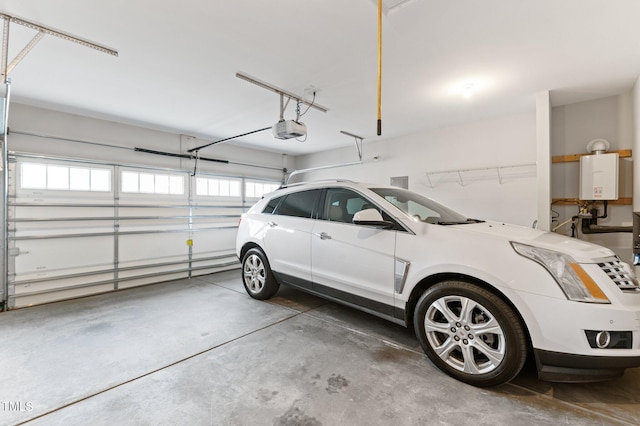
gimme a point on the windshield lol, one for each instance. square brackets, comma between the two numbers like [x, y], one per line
[420, 208]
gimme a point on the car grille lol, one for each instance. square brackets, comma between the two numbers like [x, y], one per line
[620, 276]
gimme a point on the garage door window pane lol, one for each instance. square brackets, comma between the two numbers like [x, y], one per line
[224, 188]
[152, 183]
[129, 182]
[218, 187]
[202, 186]
[147, 183]
[162, 184]
[258, 189]
[176, 185]
[250, 189]
[100, 180]
[63, 178]
[214, 187]
[34, 176]
[234, 188]
[79, 179]
[57, 177]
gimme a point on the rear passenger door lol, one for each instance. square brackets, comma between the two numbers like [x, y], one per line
[351, 262]
[287, 238]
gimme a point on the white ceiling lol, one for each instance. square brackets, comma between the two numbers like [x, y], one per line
[177, 62]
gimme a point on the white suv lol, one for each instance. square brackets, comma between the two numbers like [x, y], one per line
[480, 295]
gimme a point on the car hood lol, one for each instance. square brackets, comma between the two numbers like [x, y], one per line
[581, 251]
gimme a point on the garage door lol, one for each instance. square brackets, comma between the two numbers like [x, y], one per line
[78, 227]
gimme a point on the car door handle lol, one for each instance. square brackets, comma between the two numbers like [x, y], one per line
[325, 236]
[272, 224]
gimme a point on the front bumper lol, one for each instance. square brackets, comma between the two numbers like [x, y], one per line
[571, 368]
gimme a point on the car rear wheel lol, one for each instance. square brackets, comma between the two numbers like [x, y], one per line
[470, 333]
[257, 277]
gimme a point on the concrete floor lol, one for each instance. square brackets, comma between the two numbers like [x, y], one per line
[202, 352]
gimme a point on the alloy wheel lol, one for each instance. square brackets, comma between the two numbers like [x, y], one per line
[465, 335]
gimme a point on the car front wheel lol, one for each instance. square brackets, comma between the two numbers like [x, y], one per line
[470, 333]
[257, 277]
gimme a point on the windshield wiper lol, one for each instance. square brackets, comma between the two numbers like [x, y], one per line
[458, 222]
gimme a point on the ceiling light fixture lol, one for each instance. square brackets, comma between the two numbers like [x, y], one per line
[467, 90]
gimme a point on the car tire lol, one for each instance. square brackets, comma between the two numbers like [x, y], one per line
[257, 277]
[470, 333]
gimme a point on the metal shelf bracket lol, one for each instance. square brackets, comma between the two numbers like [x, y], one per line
[6, 67]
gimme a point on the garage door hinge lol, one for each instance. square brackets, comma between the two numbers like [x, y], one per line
[15, 251]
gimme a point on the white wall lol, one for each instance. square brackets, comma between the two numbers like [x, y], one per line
[502, 141]
[543, 158]
[28, 119]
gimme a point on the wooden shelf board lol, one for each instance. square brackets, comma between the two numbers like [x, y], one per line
[623, 153]
[624, 201]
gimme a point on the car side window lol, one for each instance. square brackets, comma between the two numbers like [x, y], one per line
[340, 205]
[271, 206]
[298, 204]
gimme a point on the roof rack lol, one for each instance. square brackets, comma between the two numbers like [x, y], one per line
[289, 185]
[333, 166]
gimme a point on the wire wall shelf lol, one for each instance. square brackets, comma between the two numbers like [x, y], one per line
[464, 176]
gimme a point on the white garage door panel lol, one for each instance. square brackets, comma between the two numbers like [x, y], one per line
[216, 269]
[24, 301]
[149, 248]
[45, 229]
[150, 280]
[45, 286]
[222, 210]
[211, 242]
[125, 274]
[63, 255]
[155, 217]
[64, 243]
[53, 212]
[157, 226]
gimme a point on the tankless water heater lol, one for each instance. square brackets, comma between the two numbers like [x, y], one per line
[599, 177]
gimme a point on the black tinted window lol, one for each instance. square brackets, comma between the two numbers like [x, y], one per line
[298, 204]
[272, 205]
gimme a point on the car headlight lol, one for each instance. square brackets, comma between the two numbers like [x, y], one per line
[573, 280]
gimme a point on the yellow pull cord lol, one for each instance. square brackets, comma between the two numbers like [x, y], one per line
[379, 67]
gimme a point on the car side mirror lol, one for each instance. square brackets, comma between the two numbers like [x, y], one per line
[371, 217]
